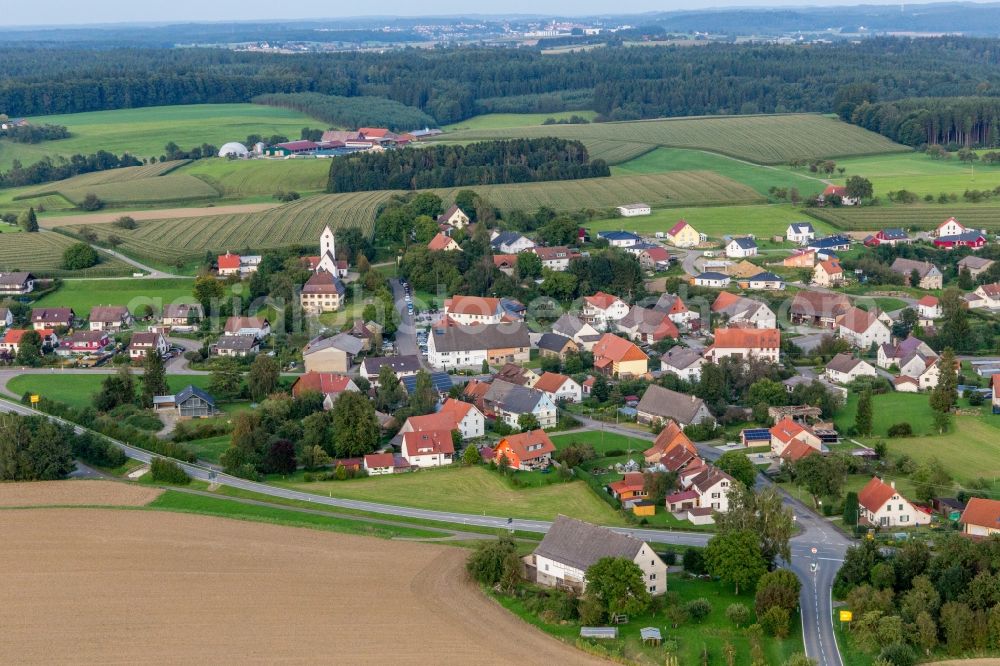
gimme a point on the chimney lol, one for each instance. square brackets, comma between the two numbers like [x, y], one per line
[692, 398]
[893, 484]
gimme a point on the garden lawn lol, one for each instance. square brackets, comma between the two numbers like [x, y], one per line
[711, 634]
[210, 448]
[82, 295]
[760, 178]
[602, 441]
[889, 409]
[78, 390]
[474, 490]
[762, 220]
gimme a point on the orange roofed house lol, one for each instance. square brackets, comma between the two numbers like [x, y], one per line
[428, 448]
[442, 243]
[786, 431]
[329, 384]
[881, 505]
[617, 357]
[671, 437]
[473, 310]
[981, 517]
[749, 343]
[526, 451]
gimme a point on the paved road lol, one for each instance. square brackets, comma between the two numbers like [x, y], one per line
[814, 533]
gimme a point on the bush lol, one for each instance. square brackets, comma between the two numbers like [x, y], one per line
[79, 256]
[738, 614]
[91, 202]
[698, 609]
[775, 622]
[168, 471]
[900, 430]
[898, 654]
[95, 450]
[486, 564]
[694, 561]
[125, 222]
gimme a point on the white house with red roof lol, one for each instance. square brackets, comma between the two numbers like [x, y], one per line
[981, 517]
[468, 419]
[378, 464]
[785, 431]
[559, 387]
[428, 448]
[747, 343]
[929, 309]
[603, 310]
[839, 191]
[443, 243]
[468, 310]
[828, 273]
[329, 384]
[862, 329]
[880, 505]
[526, 450]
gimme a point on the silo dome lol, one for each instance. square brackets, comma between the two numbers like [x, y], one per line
[234, 148]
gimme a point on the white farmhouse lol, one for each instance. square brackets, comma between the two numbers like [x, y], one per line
[880, 505]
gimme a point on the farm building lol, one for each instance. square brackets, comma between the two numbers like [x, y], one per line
[634, 210]
[662, 404]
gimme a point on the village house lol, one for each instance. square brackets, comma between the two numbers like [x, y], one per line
[827, 244]
[863, 329]
[654, 258]
[189, 403]
[762, 344]
[559, 387]
[930, 276]
[510, 242]
[468, 310]
[712, 279]
[713, 486]
[950, 227]
[903, 354]
[328, 384]
[682, 362]
[454, 217]
[184, 314]
[764, 281]
[556, 258]
[237, 346]
[333, 354]
[676, 309]
[815, 308]
[54, 318]
[973, 240]
[785, 431]
[986, 296]
[458, 347]
[526, 450]
[617, 357]
[929, 309]
[234, 264]
[803, 258]
[12, 339]
[975, 265]
[6, 318]
[553, 345]
[603, 310]
[629, 489]
[84, 342]
[828, 274]
[443, 243]
[17, 283]
[571, 547]
[378, 464]
[670, 439]
[577, 330]
[892, 237]
[647, 325]
[505, 263]
[683, 234]
[740, 248]
[662, 404]
[743, 312]
[621, 239]
[110, 318]
[322, 292]
[507, 402]
[838, 191]
[469, 421]
[428, 448]
[255, 326]
[800, 232]
[634, 210]
[981, 517]
[880, 505]
[144, 342]
[845, 368]
[516, 374]
[402, 366]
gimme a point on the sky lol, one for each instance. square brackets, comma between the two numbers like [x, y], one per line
[71, 12]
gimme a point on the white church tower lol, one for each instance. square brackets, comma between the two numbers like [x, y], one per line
[328, 255]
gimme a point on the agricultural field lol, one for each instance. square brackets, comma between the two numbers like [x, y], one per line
[920, 174]
[297, 223]
[469, 490]
[759, 139]
[85, 180]
[760, 178]
[144, 132]
[42, 254]
[242, 178]
[716, 221]
[78, 389]
[913, 217]
[160, 190]
[491, 121]
[302, 579]
[679, 188]
[75, 493]
[82, 295]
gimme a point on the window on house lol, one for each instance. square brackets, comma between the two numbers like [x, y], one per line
[652, 588]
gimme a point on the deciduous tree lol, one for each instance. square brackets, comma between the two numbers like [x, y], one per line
[619, 585]
[735, 557]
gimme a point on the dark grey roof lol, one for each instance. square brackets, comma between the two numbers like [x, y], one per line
[553, 342]
[489, 336]
[766, 277]
[236, 342]
[842, 363]
[580, 545]
[894, 233]
[15, 279]
[803, 227]
[745, 243]
[191, 390]
[342, 341]
[680, 357]
[405, 364]
[513, 398]
[712, 275]
[568, 325]
[667, 404]
[505, 238]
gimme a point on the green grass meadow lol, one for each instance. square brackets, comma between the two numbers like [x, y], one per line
[920, 174]
[716, 221]
[82, 295]
[78, 390]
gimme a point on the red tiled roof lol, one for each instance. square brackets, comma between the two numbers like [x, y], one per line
[519, 444]
[633, 481]
[13, 336]
[839, 190]
[428, 442]
[724, 300]
[831, 267]
[676, 229]
[322, 382]
[786, 430]
[550, 382]
[472, 305]
[657, 254]
[601, 300]
[432, 422]
[983, 512]
[857, 320]
[229, 260]
[875, 494]
[747, 338]
[928, 301]
[379, 460]
[457, 408]
[611, 348]
[500, 260]
[440, 242]
[797, 450]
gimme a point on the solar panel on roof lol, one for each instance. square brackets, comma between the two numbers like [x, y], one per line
[757, 434]
[441, 381]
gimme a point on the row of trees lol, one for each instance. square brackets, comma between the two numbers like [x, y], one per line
[484, 163]
[33, 448]
[49, 169]
[364, 111]
[36, 133]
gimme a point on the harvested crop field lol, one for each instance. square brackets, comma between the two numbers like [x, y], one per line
[42, 254]
[52, 221]
[921, 216]
[75, 493]
[100, 586]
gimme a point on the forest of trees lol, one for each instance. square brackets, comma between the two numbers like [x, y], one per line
[947, 121]
[48, 169]
[36, 133]
[451, 84]
[483, 163]
[352, 111]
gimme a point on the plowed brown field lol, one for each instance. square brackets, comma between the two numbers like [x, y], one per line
[75, 493]
[106, 586]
